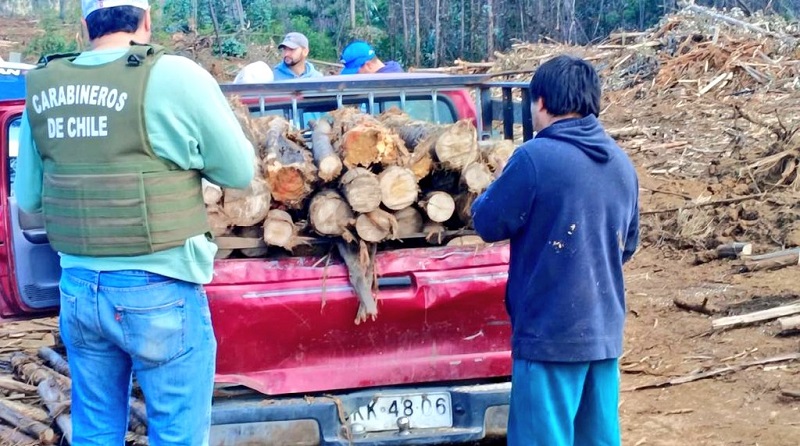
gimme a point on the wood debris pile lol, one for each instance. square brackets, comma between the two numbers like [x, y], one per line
[35, 388]
[707, 104]
[358, 181]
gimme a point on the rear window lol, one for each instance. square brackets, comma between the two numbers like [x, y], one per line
[13, 150]
[417, 107]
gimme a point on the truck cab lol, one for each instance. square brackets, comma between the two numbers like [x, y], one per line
[292, 366]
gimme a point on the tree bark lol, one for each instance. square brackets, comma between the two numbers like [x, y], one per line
[328, 163]
[57, 403]
[437, 34]
[406, 41]
[54, 360]
[360, 262]
[490, 31]
[27, 425]
[417, 50]
[352, 14]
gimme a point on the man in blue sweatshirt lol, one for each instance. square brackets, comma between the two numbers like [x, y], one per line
[567, 200]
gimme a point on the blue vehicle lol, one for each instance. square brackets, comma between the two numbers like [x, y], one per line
[12, 80]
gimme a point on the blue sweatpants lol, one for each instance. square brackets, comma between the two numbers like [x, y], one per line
[564, 404]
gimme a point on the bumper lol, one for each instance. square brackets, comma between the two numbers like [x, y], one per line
[478, 412]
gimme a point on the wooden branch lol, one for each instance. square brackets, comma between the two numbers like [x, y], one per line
[771, 261]
[361, 278]
[9, 383]
[15, 437]
[329, 164]
[702, 308]
[27, 425]
[708, 203]
[757, 316]
[789, 325]
[58, 405]
[715, 372]
[725, 251]
[54, 360]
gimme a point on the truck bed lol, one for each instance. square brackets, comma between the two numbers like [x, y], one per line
[286, 326]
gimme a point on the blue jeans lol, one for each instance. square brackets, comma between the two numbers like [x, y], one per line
[564, 404]
[116, 324]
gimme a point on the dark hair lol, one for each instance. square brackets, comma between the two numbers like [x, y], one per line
[117, 19]
[568, 85]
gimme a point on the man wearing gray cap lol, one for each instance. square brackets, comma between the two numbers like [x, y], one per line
[295, 64]
[112, 151]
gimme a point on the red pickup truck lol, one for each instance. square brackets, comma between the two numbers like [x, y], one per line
[292, 366]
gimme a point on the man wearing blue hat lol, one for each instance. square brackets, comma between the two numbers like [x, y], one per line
[295, 54]
[360, 58]
[112, 151]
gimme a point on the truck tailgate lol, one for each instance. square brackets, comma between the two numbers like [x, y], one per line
[287, 325]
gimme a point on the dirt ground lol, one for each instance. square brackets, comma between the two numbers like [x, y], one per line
[746, 405]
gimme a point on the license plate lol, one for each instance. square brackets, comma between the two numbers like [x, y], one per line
[423, 410]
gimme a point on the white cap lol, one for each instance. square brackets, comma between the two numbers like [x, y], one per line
[255, 73]
[90, 6]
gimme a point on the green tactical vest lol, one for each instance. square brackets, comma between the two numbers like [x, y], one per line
[105, 193]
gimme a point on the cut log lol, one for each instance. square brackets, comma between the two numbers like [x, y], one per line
[361, 189]
[287, 165]
[789, 325]
[409, 222]
[771, 261]
[758, 316]
[32, 412]
[243, 115]
[457, 146]
[212, 194]
[399, 188]
[361, 272]
[58, 404]
[12, 385]
[411, 131]
[463, 203]
[27, 425]
[725, 251]
[362, 140]
[247, 207]
[476, 176]
[29, 371]
[15, 437]
[466, 240]
[280, 230]
[54, 360]
[497, 153]
[329, 164]
[438, 206]
[376, 226]
[253, 233]
[368, 144]
[331, 215]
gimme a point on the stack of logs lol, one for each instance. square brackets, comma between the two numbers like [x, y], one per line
[35, 407]
[366, 179]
